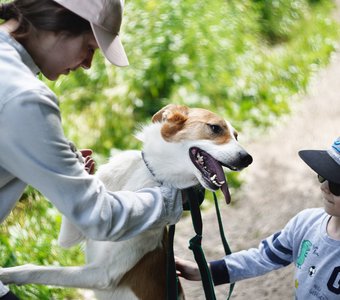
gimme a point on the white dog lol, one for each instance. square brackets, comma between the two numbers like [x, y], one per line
[181, 148]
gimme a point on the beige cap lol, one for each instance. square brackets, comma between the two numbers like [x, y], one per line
[105, 17]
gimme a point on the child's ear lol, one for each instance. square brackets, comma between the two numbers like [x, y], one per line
[173, 118]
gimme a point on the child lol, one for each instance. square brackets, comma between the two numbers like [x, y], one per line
[311, 240]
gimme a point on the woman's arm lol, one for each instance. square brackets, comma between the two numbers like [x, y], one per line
[35, 150]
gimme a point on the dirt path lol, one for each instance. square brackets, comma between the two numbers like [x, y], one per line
[278, 185]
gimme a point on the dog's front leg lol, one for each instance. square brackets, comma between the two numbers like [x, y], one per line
[87, 277]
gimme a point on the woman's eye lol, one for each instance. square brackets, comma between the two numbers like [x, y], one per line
[91, 50]
[215, 128]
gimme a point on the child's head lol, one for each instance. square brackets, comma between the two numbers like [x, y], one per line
[326, 163]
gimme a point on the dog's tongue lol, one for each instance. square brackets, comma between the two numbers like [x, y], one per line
[216, 167]
[221, 178]
[225, 191]
[211, 170]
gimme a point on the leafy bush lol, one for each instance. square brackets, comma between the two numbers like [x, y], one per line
[29, 235]
[218, 54]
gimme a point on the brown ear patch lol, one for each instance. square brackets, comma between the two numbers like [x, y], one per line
[167, 111]
[158, 116]
[174, 123]
[173, 117]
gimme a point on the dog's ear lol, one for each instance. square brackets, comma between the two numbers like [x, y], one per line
[173, 118]
[166, 112]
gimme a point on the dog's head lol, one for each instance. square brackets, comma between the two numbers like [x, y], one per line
[185, 146]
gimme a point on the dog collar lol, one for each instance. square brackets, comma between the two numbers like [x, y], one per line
[150, 169]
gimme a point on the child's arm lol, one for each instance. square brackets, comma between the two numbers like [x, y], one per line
[274, 252]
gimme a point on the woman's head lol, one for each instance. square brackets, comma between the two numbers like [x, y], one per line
[59, 34]
[44, 15]
[105, 17]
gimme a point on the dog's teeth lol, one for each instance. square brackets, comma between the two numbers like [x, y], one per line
[200, 159]
[213, 180]
[201, 162]
[216, 183]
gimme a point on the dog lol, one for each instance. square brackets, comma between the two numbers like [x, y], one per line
[182, 147]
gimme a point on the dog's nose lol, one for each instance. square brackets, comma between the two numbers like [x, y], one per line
[245, 158]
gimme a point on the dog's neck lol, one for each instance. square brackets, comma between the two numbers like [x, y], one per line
[150, 168]
[168, 163]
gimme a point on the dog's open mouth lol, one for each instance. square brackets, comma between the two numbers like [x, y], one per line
[211, 170]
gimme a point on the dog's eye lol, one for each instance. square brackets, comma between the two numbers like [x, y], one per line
[215, 128]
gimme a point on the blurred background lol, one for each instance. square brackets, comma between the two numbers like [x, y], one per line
[248, 60]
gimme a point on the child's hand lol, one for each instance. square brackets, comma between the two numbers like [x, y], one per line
[88, 160]
[187, 269]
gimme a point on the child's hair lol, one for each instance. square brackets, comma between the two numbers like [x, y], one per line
[42, 15]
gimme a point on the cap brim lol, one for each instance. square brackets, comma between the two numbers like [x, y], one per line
[111, 46]
[322, 163]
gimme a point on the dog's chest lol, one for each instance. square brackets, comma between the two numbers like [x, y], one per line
[119, 257]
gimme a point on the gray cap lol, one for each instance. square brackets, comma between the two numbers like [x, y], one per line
[105, 17]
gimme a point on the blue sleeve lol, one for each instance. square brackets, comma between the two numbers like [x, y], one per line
[219, 272]
[273, 253]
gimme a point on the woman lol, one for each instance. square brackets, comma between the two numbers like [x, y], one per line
[54, 38]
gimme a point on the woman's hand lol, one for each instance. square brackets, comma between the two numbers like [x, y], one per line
[88, 160]
[187, 269]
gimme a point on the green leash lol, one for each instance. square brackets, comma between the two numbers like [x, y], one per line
[195, 244]
[172, 278]
[226, 247]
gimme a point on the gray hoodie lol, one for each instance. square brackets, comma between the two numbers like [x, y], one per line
[35, 152]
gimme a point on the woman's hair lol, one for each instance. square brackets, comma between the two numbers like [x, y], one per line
[42, 15]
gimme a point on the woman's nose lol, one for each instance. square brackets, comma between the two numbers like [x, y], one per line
[86, 64]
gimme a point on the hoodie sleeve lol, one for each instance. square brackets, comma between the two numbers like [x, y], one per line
[34, 149]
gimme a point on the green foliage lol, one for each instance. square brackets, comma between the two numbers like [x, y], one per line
[29, 235]
[279, 18]
[244, 59]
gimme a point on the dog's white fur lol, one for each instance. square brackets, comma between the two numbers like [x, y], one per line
[135, 268]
